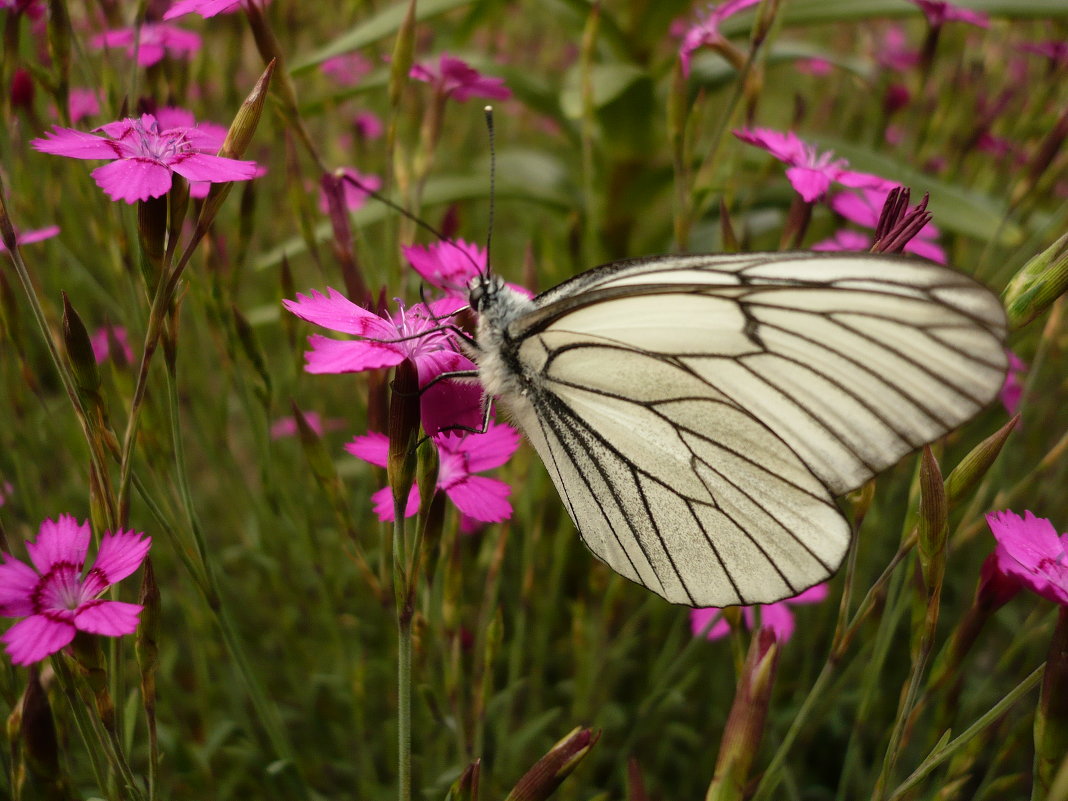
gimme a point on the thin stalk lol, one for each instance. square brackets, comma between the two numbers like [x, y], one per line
[404, 657]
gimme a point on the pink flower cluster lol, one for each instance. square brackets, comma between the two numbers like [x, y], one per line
[422, 335]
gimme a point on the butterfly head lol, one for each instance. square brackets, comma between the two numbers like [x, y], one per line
[483, 291]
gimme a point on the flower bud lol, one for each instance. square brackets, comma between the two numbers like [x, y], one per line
[974, 466]
[79, 351]
[933, 522]
[465, 788]
[403, 428]
[1037, 285]
[548, 772]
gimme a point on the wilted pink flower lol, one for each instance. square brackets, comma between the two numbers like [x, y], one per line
[101, 342]
[863, 207]
[810, 172]
[30, 237]
[368, 125]
[348, 68]
[154, 41]
[54, 596]
[1030, 551]
[287, 426]
[415, 333]
[456, 79]
[939, 12]
[83, 103]
[776, 616]
[351, 190]
[145, 156]
[1012, 390]
[460, 456]
[705, 32]
[208, 8]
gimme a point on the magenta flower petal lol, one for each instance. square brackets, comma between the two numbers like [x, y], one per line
[121, 554]
[338, 313]
[372, 447]
[455, 78]
[1030, 550]
[17, 583]
[846, 239]
[776, 617]
[489, 450]
[59, 541]
[36, 637]
[808, 182]
[482, 498]
[701, 618]
[76, 144]
[110, 618]
[206, 8]
[133, 179]
[338, 356]
[382, 503]
[216, 169]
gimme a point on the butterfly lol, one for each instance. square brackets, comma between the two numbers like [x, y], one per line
[699, 414]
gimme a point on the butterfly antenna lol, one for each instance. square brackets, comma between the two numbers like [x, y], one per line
[492, 184]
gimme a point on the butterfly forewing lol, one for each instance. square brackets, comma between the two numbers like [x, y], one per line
[698, 414]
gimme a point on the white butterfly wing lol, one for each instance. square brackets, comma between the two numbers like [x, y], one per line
[698, 414]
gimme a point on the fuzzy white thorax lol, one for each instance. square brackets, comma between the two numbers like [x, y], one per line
[498, 306]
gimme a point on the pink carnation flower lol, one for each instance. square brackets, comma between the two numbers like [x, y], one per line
[348, 68]
[939, 12]
[864, 206]
[810, 172]
[415, 334]
[102, 340]
[776, 616]
[368, 125]
[1012, 390]
[705, 32]
[29, 237]
[451, 265]
[83, 103]
[145, 156]
[155, 40]
[1030, 551]
[57, 598]
[459, 458]
[456, 79]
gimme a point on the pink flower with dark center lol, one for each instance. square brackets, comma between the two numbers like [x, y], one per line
[348, 68]
[145, 156]
[30, 237]
[451, 265]
[863, 207]
[1012, 390]
[58, 597]
[939, 12]
[705, 32]
[416, 333]
[155, 40]
[460, 456]
[456, 79]
[776, 616]
[1030, 551]
[810, 172]
[351, 190]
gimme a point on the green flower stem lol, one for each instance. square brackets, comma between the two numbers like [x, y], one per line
[404, 654]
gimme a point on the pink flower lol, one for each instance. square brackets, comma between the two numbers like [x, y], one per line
[863, 207]
[1056, 50]
[939, 12]
[368, 125]
[155, 40]
[354, 196]
[845, 239]
[1030, 551]
[894, 52]
[145, 156]
[54, 596]
[287, 426]
[34, 9]
[83, 103]
[207, 8]
[1012, 390]
[456, 79]
[705, 32]
[810, 172]
[776, 616]
[101, 342]
[415, 333]
[459, 458]
[32, 236]
[348, 68]
[451, 265]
